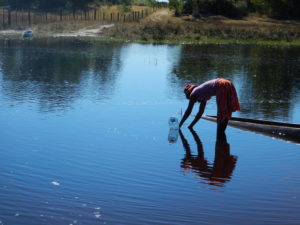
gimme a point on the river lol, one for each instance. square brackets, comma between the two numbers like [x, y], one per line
[84, 135]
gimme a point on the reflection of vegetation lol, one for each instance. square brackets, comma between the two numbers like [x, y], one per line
[198, 64]
[267, 79]
[54, 74]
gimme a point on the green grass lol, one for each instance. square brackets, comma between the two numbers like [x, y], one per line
[165, 41]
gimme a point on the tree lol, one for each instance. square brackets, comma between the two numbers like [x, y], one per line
[177, 5]
[3, 2]
[285, 9]
[53, 4]
[24, 4]
[79, 4]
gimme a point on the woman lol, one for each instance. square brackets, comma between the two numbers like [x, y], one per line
[227, 101]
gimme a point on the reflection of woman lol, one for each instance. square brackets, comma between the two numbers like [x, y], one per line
[227, 101]
[222, 168]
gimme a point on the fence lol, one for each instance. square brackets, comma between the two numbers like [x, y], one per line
[9, 18]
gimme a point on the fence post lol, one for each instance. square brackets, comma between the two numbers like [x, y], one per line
[111, 17]
[9, 17]
[124, 19]
[16, 16]
[95, 14]
[29, 17]
[3, 17]
[61, 14]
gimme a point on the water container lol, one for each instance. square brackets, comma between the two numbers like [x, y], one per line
[173, 122]
[173, 131]
[27, 34]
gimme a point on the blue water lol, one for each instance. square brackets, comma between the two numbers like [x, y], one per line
[84, 135]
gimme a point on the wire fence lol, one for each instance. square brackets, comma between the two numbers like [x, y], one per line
[12, 18]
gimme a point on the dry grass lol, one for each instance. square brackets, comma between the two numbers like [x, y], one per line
[162, 25]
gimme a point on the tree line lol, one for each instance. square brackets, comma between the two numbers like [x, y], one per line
[46, 5]
[280, 9]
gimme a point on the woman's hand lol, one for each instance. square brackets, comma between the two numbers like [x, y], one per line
[187, 111]
[190, 127]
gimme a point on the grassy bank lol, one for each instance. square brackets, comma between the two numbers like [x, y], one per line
[163, 27]
[169, 29]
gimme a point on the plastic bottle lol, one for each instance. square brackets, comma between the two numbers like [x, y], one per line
[173, 122]
[173, 131]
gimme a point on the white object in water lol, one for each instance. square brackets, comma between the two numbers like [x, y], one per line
[27, 33]
[55, 183]
[173, 132]
[173, 122]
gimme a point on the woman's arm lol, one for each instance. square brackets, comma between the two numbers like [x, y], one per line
[187, 111]
[199, 114]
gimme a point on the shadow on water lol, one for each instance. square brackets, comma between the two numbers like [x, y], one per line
[216, 174]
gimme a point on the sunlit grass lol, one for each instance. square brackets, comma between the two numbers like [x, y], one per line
[172, 29]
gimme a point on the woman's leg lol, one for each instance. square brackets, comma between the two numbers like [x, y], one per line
[221, 130]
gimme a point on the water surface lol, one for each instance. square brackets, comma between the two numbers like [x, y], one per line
[84, 135]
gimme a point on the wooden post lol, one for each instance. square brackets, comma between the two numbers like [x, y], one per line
[16, 16]
[3, 18]
[95, 14]
[118, 17]
[103, 16]
[111, 17]
[29, 17]
[9, 17]
[124, 19]
[61, 15]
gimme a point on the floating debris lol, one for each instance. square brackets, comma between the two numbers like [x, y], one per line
[97, 214]
[55, 183]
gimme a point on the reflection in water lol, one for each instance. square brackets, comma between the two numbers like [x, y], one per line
[55, 73]
[267, 79]
[221, 170]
